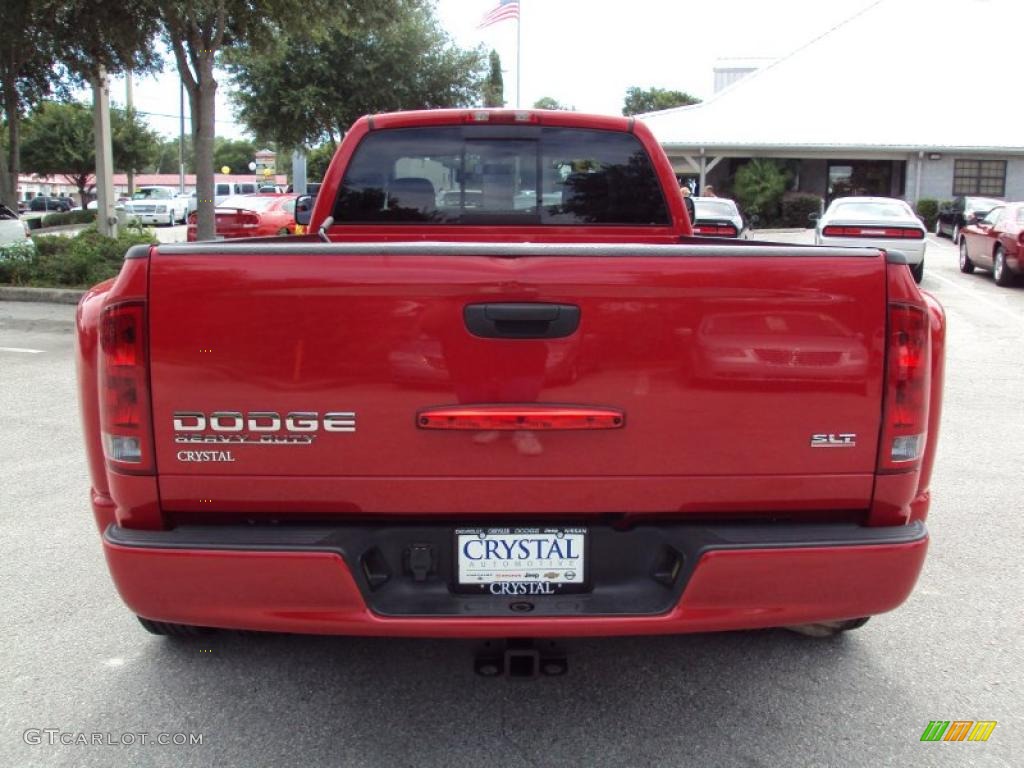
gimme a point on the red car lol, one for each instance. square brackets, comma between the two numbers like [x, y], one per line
[259, 215]
[996, 243]
[474, 407]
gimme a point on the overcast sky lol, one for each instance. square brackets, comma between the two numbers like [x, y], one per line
[585, 53]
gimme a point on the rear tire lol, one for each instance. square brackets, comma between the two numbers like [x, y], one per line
[917, 271]
[167, 629]
[1000, 272]
[829, 628]
[966, 265]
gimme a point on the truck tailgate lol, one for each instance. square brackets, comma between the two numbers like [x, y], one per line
[734, 368]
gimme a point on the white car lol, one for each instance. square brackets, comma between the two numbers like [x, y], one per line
[875, 222]
[718, 217]
[157, 205]
[13, 231]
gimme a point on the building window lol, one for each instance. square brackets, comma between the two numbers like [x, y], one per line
[979, 177]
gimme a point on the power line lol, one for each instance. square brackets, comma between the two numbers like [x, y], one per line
[175, 117]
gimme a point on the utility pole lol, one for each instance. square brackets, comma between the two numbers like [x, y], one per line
[129, 100]
[106, 219]
[299, 172]
[181, 138]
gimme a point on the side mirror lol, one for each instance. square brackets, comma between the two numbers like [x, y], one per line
[971, 218]
[304, 210]
[813, 216]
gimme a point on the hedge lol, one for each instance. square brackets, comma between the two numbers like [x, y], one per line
[69, 217]
[928, 210]
[796, 210]
[69, 262]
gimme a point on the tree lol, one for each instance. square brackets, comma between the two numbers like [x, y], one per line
[59, 141]
[197, 31]
[301, 88]
[546, 102]
[167, 157]
[759, 186]
[28, 44]
[236, 154]
[494, 87]
[96, 40]
[318, 159]
[135, 145]
[639, 100]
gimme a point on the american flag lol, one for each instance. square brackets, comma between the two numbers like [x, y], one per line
[505, 9]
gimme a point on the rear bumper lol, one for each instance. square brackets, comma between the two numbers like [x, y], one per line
[914, 250]
[657, 579]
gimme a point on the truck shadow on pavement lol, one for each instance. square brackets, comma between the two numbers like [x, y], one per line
[268, 699]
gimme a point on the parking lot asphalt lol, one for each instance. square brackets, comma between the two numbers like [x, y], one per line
[73, 658]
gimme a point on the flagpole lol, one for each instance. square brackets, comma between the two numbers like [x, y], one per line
[519, 68]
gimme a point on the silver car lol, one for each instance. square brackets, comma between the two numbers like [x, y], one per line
[13, 232]
[718, 217]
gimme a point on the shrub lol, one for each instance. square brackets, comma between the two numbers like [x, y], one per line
[68, 217]
[758, 188]
[72, 262]
[928, 209]
[796, 210]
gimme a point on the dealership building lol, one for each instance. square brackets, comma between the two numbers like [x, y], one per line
[895, 101]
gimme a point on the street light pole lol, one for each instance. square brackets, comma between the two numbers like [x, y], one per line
[129, 98]
[106, 222]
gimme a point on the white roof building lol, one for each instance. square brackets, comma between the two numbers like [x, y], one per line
[917, 85]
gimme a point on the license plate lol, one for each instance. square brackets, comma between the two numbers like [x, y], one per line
[521, 561]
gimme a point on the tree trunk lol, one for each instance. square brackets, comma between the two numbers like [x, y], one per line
[12, 166]
[203, 103]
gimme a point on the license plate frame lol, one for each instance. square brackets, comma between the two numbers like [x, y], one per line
[524, 577]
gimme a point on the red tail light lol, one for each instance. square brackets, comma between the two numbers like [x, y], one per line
[904, 233]
[908, 376]
[249, 219]
[487, 418]
[712, 229]
[124, 389]
[502, 116]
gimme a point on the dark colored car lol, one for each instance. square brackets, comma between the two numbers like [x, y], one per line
[48, 203]
[995, 243]
[955, 216]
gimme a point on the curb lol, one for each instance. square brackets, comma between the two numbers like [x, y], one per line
[46, 295]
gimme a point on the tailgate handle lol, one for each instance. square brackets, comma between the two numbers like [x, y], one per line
[522, 320]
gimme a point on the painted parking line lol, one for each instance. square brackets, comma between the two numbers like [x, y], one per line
[978, 297]
[22, 350]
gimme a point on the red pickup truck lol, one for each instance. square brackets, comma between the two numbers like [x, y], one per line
[500, 390]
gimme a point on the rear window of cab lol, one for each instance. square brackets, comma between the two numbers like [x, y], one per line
[484, 175]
